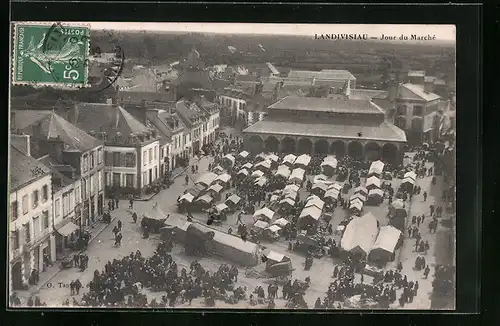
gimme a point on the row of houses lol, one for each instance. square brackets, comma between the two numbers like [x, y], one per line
[65, 160]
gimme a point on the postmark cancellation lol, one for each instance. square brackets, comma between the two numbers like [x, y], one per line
[50, 54]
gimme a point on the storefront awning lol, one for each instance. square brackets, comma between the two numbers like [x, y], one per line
[67, 229]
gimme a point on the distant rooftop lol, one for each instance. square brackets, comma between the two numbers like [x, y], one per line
[419, 91]
[24, 169]
[416, 73]
[326, 105]
[323, 74]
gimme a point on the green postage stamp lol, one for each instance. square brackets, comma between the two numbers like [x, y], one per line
[50, 54]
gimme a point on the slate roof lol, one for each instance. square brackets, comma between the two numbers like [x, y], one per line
[138, 96]
[367, 94]
[53, 126]
[24, 169]
[55, 167]
[326, 105]
[158, 118]
[107, 117]
[383, 132]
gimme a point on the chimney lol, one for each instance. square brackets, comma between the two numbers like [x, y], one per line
[22, 143]
[429, 87]
[393, 91]
[73, 114]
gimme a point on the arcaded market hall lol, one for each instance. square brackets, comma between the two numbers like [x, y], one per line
[340, 126]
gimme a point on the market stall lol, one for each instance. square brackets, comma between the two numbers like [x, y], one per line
[289, 159]
[314, 201]
[297, 176]
[359, 235]
[372, 183]
[206, 179]
[264, 214]
[257, 174]
[319, 189]
[375, 197]
[329, 165]
[362, 190]
[386, 243]
[264, 166]
[302, 161]
[376, 169]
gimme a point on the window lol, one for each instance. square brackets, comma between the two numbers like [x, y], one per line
[116, 179]
[13, 211]
[106, 176]
[155, 155]
[116, 159]
[130, 160]
[144, 158]
[401, 110]
[36, 227]
[15, 239]
[85, 163]
[84, 189]
[108, 159]
[162, 153]
[92, 184]
[34, 199]
[45, 220]
[57, 208]
[45, 193]
[99, 181]
[77, 194]
[27, 232]
[150, 155]
[92, 158]
[144, 179]
[99, 156]
[418, 110]
[65, 205]
[129, 180]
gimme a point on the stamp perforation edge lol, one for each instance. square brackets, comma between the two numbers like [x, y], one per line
[57, 85]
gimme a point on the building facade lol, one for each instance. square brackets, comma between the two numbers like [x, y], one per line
[30, 222]
[418, 113]
[327, 126]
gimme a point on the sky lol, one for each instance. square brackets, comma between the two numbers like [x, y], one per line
[442, 32]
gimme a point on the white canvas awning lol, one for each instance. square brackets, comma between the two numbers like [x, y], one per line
[221, 207]
[247, 166]
[303, 159]
[229, 157]
[207, 179]
[263, 164]
[320, 185]
[223, 177]
[264, 212]
[235, 199]
[330, 161]
[187, 197]
[273, 157]
[289, 159]
[257, 174]
[216, 188]
[361, 190]
[244, 154]
[297, 175]
[398, 204]
[357, 196]
[373, 181]
[337, 186]
[291, 188]
[281, 222]
[261, 181]
[205, 198]
[320, 177]
[332, 193]
[411, 175]
[288, 201]
[408, 180]
[315, 201]
[274, 229]
[376, 167]
[356, 203]
[311, 211]
[243, 171]
[218, 169]
[283, 171]
[261, 224]
[67, 229]
[376, 193]
[275, 256]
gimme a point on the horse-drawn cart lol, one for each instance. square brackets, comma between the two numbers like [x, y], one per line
[280, 272]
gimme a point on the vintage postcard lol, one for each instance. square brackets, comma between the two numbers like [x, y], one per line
[232, 165]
